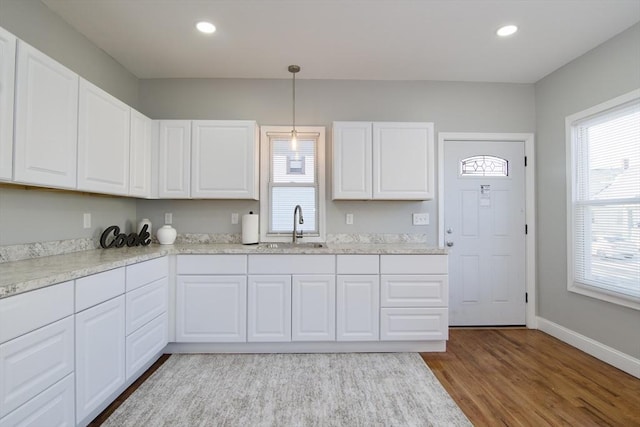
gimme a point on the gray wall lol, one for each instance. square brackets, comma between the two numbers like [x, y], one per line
[453, 107]
[610, 70]
[40, 215]
[28, 216]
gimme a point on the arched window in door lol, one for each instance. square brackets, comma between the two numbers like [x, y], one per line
[484, 166]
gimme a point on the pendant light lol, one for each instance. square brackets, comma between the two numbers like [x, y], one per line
[293, 69]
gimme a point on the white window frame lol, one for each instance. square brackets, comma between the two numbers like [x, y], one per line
[265, 173]
[572, 284]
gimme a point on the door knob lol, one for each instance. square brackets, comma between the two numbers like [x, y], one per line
[449, 243]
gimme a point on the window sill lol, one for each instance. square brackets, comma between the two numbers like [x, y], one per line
[605, 295]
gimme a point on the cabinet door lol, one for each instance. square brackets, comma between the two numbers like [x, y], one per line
[352, 160]
[358, 305]
[140, 155]
[403, 163]
[211, 309]
[33, 362]
[7, 82]
[100, 355]
[269, 309]
[174, 170]
[224, 159]
[103, 141]
[314, 308]
[46, 121]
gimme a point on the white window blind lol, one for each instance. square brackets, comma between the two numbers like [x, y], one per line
[606, 201]
[293, 181]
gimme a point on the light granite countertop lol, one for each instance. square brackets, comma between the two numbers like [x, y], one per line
[22, 276]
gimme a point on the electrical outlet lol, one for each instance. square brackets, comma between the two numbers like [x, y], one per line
[349, 219]
[168, 218]
[86, 220]
[234, 218]
[420, 219]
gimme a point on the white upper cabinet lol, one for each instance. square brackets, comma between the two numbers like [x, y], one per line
[403, 164]
[352, 160]
[103, 141]
[7, 82]
[140, 151]
[174, 174]
[46, 120]
[224, 159]
[383, 160]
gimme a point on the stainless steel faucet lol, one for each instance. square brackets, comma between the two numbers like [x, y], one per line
[297, 210]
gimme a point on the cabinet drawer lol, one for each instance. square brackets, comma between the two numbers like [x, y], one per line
[212, 264]
[146, 303]
[33, 362]
[53, 407]
[29, 311]
[145, 343]
[414, 291]
[93, 290]
[357, 264]
[413, 264]
[411, 324]
[146, 272]
[292, 264]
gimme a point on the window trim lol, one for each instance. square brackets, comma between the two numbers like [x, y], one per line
[572, 285]
[265, 199]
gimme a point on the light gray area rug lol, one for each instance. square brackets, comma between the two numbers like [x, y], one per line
[349, 389]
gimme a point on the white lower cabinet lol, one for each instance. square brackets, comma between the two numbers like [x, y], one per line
[313, 313]
[33, 362]
[414, 298]
[211, 308]
[53, 407]
[358, 304]
[100, 355]
[269, 308]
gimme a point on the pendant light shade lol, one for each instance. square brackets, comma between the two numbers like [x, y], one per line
[293, 69]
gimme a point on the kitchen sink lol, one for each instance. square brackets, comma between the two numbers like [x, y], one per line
[286, 245]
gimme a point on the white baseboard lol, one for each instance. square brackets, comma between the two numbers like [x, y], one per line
[596, 349]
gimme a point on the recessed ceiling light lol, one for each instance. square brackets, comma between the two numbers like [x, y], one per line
[206, 27]
[507, 30]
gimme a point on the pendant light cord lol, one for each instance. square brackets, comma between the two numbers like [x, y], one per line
[294, 103]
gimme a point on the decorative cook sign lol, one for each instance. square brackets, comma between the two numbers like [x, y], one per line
[112, 238]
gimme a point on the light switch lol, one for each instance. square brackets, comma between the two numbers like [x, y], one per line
[86, 220]
[234, 218]
[168, 218]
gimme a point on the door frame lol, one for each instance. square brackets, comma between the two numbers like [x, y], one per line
[530, 203]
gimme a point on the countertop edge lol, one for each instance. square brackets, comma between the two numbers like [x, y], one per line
[17, 277]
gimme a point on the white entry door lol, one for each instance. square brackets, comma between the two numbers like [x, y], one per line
[484, 229]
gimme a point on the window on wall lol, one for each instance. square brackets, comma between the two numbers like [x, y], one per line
[603, 147]
[291, 175]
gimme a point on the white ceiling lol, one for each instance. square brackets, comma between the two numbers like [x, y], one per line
[348, 39]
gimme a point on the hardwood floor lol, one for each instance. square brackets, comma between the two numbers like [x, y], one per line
[521, 377]
[517, 377]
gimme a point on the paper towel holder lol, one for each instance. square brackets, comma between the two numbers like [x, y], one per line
[250, 229]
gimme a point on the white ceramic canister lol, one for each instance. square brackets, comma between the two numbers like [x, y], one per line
[166, 235]
[142, 223]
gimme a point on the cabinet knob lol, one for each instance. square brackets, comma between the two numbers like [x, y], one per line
[449, 243]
